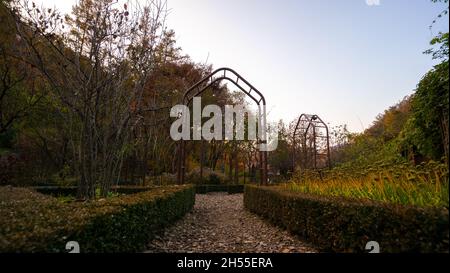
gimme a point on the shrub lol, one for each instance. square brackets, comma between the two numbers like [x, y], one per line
[32, 222]
[214, 179]
[345, 225]
[209, 177]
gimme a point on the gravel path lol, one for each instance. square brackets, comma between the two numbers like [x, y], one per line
[219, 223]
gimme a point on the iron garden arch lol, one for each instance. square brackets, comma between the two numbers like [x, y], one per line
[232, 76]
[305, 124]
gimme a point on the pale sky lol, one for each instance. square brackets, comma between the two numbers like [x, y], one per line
[344, 60]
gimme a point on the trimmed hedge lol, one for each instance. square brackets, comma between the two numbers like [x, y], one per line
[346, 225]
[32, 222]
[72, 191]
[219, 188]
[235, 189]
[199, 188]
[55, 190]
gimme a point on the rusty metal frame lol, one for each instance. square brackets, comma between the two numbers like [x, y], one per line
[304, 123]
[232, 76]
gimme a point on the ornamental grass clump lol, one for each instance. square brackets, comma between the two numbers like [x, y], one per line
[423, 185]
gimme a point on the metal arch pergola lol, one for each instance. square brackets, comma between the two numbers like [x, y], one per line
[232, 76]
[304, 123]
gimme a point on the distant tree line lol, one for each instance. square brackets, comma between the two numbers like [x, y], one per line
[85, 97]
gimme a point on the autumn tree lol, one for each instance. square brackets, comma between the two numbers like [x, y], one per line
[97, 61]
[21, 86]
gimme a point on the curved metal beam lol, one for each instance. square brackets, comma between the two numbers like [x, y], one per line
[210, 76]
[189, 99]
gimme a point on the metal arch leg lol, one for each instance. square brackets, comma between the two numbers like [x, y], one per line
[181, 163]
[265, 168]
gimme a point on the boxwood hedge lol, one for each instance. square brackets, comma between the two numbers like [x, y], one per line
[205, 188]
[199, 188]
[72, 191]
[346, 225]
[33, 222]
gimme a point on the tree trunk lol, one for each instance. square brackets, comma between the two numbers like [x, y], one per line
[444, 131]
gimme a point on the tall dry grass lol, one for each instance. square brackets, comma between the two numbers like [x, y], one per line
[423, 185]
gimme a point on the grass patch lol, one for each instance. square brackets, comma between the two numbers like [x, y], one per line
[424, 185]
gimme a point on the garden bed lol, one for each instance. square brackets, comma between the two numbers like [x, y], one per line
[33, 222]
[346, 225]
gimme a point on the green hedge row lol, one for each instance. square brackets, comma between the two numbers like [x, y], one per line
[219, 188]
[199, 188]
[346, 225]
[72, 191]
[55, 190]
[32, 222]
